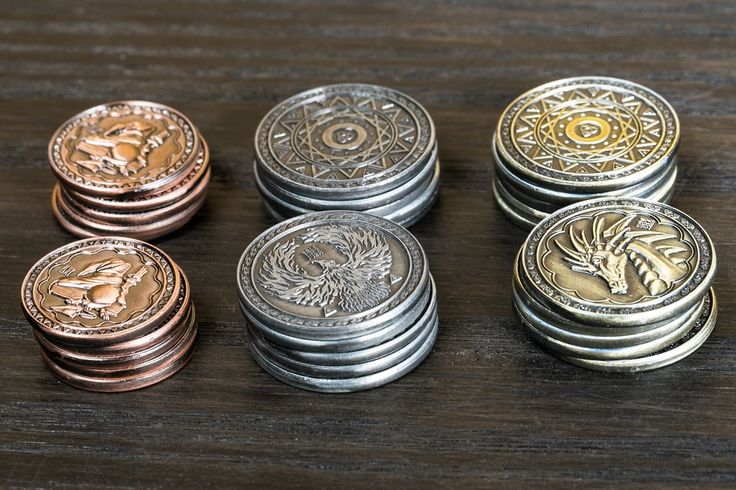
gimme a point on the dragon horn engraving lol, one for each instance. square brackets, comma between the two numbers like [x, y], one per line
[657, 265]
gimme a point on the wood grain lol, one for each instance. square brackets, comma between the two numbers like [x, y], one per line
[488, 408]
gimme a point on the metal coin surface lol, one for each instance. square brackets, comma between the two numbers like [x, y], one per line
[199, 173]
[347, 384]
[346, 139]
[100, 291]
[669, 355]
[384, 332]
[619, 262]
[363, 355]
[588, 133]
[123, 147]
[332, 275]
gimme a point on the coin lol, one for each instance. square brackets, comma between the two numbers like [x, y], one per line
[590, 133]
[618, 262]
[332, 275]
[100, 291]
[347, 139]
[122, 148]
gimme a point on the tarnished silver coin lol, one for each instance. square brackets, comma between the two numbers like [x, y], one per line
[332, 275]
[677, 351]
[618, 262]
[348, 139]
[588, 133]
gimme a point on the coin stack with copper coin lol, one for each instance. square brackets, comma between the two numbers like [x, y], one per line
[583, 138]
[337, 301]
[129, 168]
[617, 284]
[110, 313]
[348, 146]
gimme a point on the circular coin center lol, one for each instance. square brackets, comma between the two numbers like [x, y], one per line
[588, 130]
[344, 136]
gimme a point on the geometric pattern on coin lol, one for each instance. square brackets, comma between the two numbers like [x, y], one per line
[344, 135]
[588, 129]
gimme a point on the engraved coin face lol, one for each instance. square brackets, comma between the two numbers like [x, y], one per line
[340, 137]
[589, 132]
[331, 270]
[123, 147]
[100, 288]
[619, 256]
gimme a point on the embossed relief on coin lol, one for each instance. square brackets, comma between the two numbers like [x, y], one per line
[123, 145]
[343, 136]
[588, 129]
[332, 270]
[91, 289]
[617, 257]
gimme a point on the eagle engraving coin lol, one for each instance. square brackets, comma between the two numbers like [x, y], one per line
[123, 147]
[619, 261]
[100, 291]
[588, 132]
[351, 140]
[333, 274]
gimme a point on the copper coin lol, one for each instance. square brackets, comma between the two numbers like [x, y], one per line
[182, 340]
[100, 291]
[126, 350]
[151, 200]
[123, 383]
[136, 217]
[124, 147]
[82, 226]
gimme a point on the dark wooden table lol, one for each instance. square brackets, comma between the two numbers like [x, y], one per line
[488, 408]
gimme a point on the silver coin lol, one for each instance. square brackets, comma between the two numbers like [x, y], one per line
[592, 133]
[332, 274]
[346, 370]
[346, 139]
[348, 384]
[376, 351]
[602, 337]
[380, 334]
[517, 217]
[540, 331]
[669, 355]
[422, 179]
[618, 262]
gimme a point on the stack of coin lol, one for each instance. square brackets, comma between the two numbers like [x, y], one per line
[111, 314]
[583, 138]
[129, 168]
[337, 301]
[349, 146]
[617, 284]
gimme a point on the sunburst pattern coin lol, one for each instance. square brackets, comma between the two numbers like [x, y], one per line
[337, 301]
[348, 146]
[583, 138]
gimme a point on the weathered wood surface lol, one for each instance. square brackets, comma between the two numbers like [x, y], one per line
[488, 407]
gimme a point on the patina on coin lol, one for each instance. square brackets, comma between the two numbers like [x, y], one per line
[588, 132]
[619, 261]
[349, 138]
[100, 291]
[334, 274]
[123, 147]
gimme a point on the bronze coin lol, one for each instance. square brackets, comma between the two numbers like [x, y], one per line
[124, 383]
[155, 200]
[182, 338]
[100, 291]
[136, 217]
[83, 226]
[125, 147]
